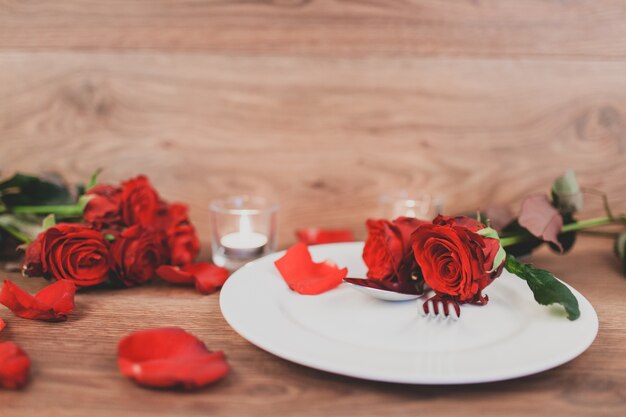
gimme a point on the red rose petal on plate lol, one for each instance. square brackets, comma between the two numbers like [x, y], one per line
[315, 236]
[304, 276]
[174, 275]
[209, 277]
[53, 303]
[14, 366]
[169, 357]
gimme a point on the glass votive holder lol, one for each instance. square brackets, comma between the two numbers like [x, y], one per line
[399, 203]
[243, 229]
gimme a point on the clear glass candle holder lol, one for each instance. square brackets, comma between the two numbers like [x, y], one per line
[243, 229]
[404, 203]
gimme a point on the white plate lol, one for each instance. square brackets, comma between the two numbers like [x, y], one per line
[346, 332]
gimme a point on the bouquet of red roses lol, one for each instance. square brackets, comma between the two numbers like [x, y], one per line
[124, 235]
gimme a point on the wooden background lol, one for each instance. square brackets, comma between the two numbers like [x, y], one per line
[321, 103]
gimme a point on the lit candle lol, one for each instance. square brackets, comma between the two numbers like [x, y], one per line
[245, 243]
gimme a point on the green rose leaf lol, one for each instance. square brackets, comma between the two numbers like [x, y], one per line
[545, 287]
[27, 190]
[49, 221]
[566, 194]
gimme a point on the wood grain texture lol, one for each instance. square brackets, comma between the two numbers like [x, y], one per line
[324, 136]
[540, 28]
[75, 372]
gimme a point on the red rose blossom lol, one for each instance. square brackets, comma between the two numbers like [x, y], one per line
[454, 259]
[136, 254]
[139, 202]
[169, 357]
[182, 240]
[69, 251]
[388, 252]
[104, 210]
[14, 366]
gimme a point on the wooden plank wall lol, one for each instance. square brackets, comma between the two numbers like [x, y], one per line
[321, 103]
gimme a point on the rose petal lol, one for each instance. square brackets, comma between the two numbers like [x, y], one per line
[314, 236]
[304, 276]
[209, 277]
[14, 366]
[174, 275]
[53, 303]
[169, 357]
[2, 325]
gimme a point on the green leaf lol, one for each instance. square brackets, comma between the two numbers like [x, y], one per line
[93, 180]
[566, 194]
[545, 287]
[27, 190]
[20, 228]
[501, 254]
[49, 221]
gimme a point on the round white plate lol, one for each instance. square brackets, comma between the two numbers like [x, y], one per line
[347, 332]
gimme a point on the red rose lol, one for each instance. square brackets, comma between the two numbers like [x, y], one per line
[455, 260]
[69, 251]
[387, 252]
[140, 202]
[103, 210]
[136, 254]
[182, 241]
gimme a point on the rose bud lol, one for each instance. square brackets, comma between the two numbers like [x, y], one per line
[455, 258]
[69, 251]
[182, 240]
[104, 210]
[388, 253]
[139, 202]
[136, 254]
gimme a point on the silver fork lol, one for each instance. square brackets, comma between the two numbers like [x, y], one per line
[440, 307]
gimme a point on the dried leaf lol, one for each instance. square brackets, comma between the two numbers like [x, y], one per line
[541, 219]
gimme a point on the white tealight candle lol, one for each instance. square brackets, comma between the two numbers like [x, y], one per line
[245, 243]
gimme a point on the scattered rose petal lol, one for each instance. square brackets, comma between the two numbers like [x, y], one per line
[304, 276]
[541, 219]
[174, 274]
[314, 236]
[169, 357]
[207, 277]
[14, 366]
[53, 303]
[2, 325]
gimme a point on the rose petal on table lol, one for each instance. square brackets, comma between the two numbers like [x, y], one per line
[209, 277]
[169, 358]
[2, 325]
[14, 366]
[304, 276]
[53, 303]
[315, 236]
[174, 274]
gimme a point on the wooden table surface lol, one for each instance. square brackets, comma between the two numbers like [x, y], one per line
[74, 369]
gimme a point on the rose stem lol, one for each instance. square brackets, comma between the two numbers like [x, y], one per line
[68, 210]
[570, 227]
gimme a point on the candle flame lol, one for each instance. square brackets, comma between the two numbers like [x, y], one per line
[245, 225]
